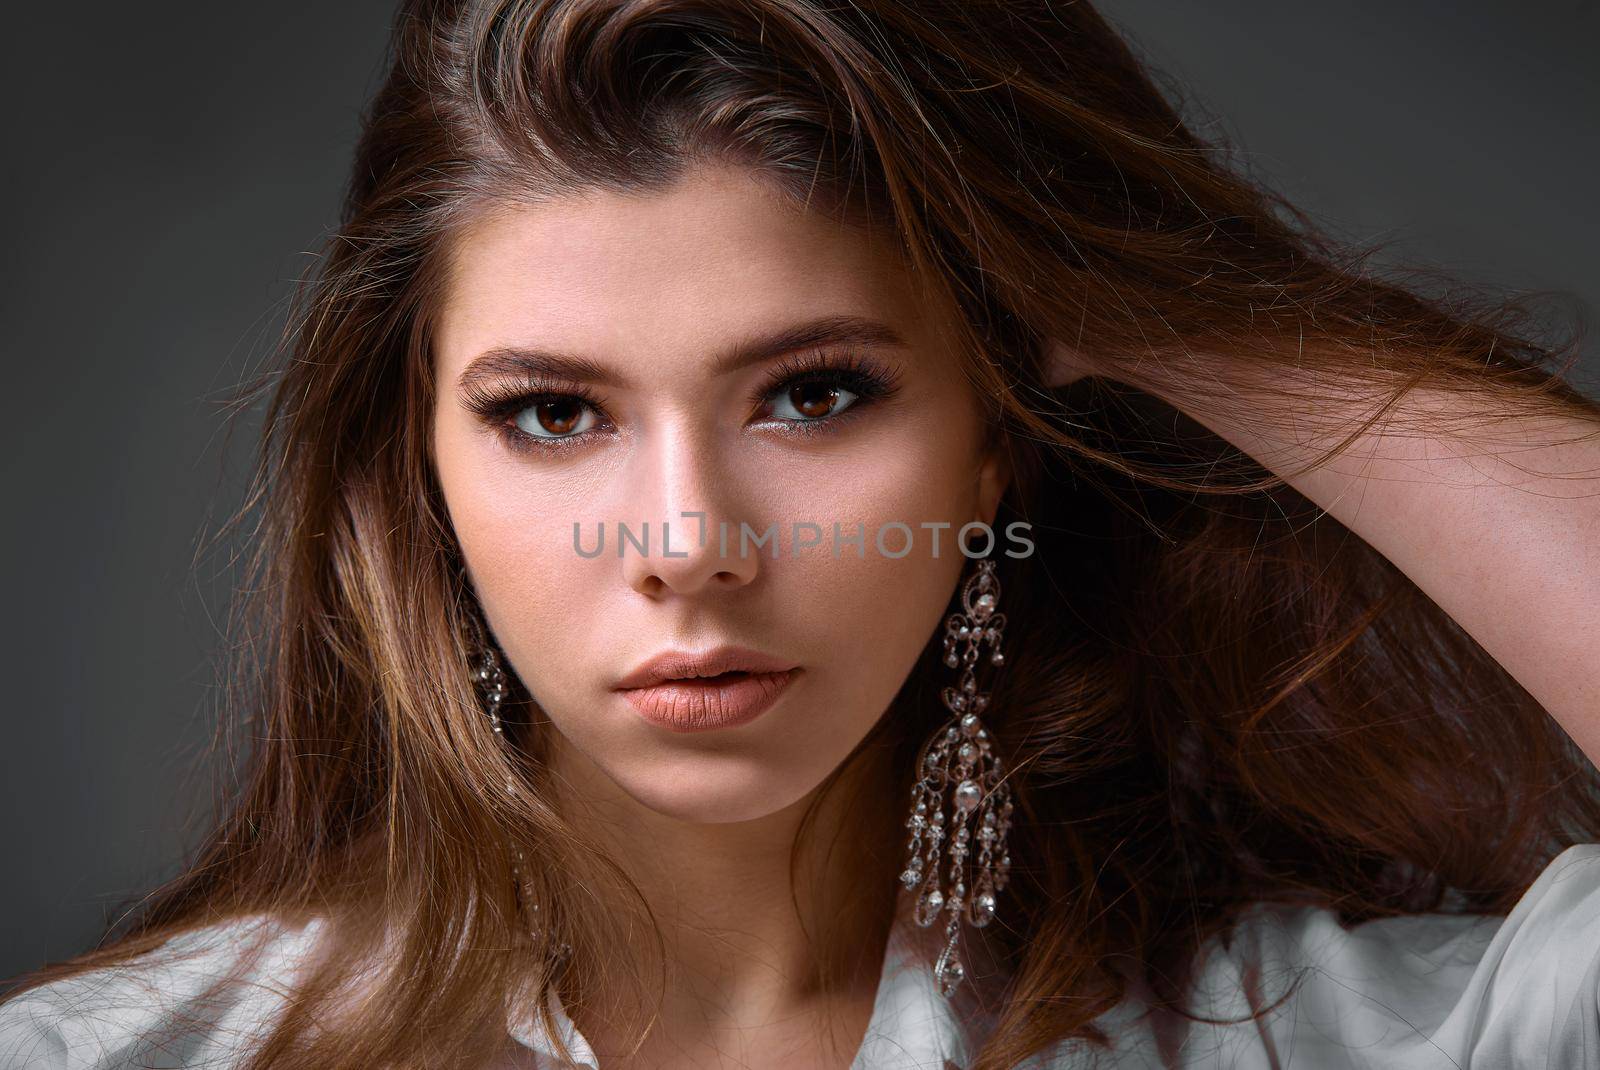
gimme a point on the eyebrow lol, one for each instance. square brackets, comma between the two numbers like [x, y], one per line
[515, 361]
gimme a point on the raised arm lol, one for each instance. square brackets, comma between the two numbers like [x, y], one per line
[1493, 513]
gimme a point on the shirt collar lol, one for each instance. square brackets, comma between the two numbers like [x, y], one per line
[912, 1026]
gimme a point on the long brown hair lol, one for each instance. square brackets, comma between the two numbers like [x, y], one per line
[1217, 695]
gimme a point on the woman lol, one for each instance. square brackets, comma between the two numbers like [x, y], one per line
[805, 536]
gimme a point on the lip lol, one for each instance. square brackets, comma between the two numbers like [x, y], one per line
[690, 692]
[699, 705]
[675, 665]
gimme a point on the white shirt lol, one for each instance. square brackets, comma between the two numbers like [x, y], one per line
[1419, 992]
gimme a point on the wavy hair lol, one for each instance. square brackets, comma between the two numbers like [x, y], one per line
[1217, 696]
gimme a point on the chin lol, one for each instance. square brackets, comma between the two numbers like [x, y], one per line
[713, 789]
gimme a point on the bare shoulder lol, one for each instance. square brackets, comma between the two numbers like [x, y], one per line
[195, 1001]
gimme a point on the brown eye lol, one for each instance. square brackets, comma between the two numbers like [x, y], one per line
[813, 401]
[558, 417]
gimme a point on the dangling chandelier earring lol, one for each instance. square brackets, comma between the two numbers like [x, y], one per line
[957, 765]
[491, 679]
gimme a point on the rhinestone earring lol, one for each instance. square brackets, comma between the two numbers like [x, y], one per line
[491, 680]
[957, 764]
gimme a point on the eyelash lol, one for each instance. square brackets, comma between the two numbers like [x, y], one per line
[498, 404]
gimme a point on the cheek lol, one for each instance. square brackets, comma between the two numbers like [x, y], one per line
[511, 532]
[920, 475]
[870, 614]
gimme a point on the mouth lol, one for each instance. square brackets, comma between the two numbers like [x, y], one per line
[676, 666]
[720, 678]
[696, 704]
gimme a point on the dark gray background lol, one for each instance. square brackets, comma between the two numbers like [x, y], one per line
[174, 168]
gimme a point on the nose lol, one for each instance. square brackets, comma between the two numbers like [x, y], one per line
[680, 491]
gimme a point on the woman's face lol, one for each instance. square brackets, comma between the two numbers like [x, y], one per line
[583, 356]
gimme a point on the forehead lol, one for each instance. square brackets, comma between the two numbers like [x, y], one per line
[718, 253]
